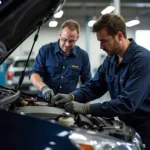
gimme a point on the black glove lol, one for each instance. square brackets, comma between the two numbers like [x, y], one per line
[47, 93]
[61, 99]
[76, 107]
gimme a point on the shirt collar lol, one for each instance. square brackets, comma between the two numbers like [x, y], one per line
[128, 54]
[57, 49]
[74, 51]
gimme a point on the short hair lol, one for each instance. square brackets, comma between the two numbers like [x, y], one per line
[113, 24]
[72, 25]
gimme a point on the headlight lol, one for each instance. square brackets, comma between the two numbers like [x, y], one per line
[98, 141]
[138, 141]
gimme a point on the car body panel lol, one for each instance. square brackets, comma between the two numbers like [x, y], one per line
[20, 18]
[19, 132]
[24, 125]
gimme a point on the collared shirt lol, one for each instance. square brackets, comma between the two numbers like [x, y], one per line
[59, 72]
[127, 82]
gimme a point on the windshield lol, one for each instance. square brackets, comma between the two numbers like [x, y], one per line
[21, 63]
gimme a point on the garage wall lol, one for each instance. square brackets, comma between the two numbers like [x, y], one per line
[86, 41]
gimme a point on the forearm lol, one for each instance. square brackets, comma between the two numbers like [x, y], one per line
[37, 81]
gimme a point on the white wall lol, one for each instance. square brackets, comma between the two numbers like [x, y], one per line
[47, 35]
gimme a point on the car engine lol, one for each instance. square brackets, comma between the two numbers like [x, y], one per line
[31, 105]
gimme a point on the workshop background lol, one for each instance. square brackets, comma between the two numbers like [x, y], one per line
[85, 10]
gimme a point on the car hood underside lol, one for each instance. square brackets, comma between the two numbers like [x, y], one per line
[20, 18]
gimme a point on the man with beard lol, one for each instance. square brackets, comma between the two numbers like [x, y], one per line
[59, 65]
[125, 73]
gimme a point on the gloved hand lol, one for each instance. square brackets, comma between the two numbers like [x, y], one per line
[47, 93]
[61, 99]
[76, 107]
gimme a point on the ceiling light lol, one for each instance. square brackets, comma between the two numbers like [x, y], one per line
[58, 14]
[107, 10]
[53, 23]
[133, 22]
[91, 22]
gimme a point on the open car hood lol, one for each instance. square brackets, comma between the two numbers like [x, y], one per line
[20, 18]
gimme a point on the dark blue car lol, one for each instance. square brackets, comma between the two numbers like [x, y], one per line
[26, 122]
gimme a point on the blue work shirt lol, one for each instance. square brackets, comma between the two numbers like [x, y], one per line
[128, 84]
[59, 72]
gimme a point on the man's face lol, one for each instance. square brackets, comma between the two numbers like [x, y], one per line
[110, 44]
[68, 39]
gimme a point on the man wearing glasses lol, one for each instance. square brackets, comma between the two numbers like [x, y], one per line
[59, 65]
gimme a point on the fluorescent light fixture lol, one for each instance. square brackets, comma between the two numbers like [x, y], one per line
[107, 10]
[0, 2]
[53, 23]
[132, 23]
[91, 22]
[58, 14]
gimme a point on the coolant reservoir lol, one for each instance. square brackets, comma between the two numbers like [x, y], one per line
[66, 119]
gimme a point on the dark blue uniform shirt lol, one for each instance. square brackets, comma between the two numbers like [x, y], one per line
[59, 72]
[127, 82]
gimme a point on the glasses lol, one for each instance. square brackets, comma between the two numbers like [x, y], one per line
[69, 41]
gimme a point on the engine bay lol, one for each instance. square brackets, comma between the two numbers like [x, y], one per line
[31, 105]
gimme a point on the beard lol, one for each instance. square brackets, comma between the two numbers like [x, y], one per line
[114, 50]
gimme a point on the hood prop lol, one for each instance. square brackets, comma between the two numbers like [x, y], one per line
[23, 71]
